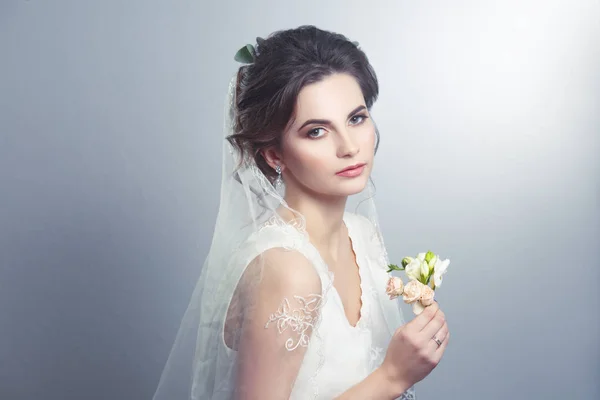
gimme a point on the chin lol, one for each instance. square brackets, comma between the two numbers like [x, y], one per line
[351, 187]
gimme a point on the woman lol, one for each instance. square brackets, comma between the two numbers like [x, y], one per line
[291, 301]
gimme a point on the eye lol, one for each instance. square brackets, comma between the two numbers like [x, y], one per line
[314, 133]
[358, 119]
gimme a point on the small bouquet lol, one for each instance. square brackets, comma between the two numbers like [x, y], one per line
[425, 273]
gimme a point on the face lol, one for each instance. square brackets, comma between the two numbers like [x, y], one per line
[330, 132]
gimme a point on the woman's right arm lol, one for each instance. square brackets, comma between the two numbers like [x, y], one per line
[281, 295]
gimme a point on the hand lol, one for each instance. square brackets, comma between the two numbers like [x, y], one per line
[412, 353]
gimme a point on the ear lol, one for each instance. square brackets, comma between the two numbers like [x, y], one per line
[273, 157]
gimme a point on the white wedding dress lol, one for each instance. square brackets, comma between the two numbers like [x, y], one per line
[338, 355]
[310, 349]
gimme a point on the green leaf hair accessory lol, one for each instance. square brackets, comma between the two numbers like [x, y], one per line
[247, 54]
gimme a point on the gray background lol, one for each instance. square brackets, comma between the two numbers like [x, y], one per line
[110, 117]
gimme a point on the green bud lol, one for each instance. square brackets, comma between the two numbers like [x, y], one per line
[429, 256]
[406, 261]
[432, 264]
[424, 271]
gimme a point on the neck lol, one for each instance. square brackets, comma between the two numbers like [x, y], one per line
[324, 218]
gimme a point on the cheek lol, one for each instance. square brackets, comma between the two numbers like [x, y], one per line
[367, 139]
[306, 159]
[313, 163]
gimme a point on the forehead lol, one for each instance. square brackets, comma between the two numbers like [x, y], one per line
[331, 98]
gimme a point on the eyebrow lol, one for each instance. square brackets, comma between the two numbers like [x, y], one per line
[328, 122]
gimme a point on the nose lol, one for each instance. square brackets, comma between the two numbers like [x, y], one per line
[347, 146]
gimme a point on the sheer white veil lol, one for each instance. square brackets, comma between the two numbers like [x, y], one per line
[197, 366]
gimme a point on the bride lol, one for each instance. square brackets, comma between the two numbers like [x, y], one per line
[291, 301]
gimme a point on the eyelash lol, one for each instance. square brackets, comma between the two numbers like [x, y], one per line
[364, 118]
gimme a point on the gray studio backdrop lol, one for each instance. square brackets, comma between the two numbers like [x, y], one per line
[110, 129]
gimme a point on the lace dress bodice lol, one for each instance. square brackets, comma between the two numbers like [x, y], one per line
[338, 355]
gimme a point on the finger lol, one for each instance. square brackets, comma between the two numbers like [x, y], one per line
[441, 335]
[440, 351]
[421, 320]
[434, 325]
[443, 332]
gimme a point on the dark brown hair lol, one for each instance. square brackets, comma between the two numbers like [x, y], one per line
[284, 63]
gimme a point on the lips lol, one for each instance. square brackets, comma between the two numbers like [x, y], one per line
[355, 166]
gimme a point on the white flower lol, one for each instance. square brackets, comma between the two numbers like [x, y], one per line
[413, 269]
[439, 269]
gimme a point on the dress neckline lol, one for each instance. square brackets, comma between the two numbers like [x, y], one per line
[348, 219]
[358, 258]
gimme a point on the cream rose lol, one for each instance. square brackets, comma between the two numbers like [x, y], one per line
[395, 287]
[412, 291]
[427, 295]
